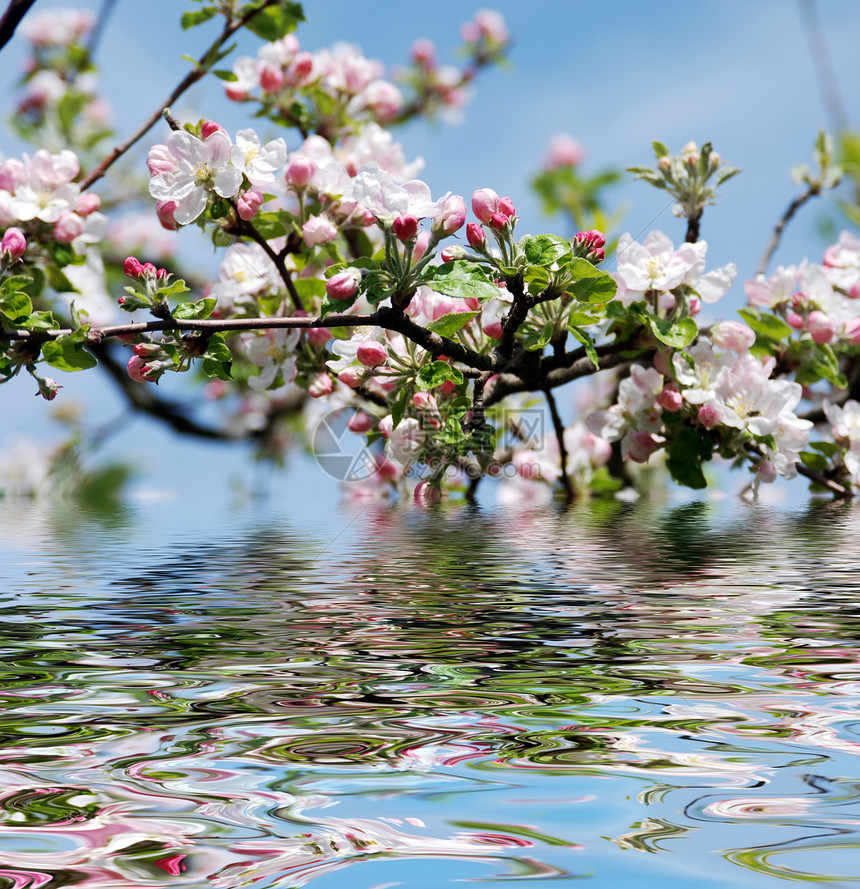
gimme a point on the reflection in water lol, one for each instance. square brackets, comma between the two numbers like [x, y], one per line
[618, 692]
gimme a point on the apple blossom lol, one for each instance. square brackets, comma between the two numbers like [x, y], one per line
[343, 285]
[13, 244]
[732, 335]
[249, 203]
[202, 167]
[318, 230]
[371, 353]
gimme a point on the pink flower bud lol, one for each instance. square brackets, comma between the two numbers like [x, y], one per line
[499, 221]
[563, 151]
[485, 202]
[475, 235]
[854, 292]
[493, 329]
[424, 401]
[68, 227]
[766, 471]
[695, 305]
[732, 335]
[449, 254]
[371, 353]
[670, 398]
[300, 169]
[318, 336]
[642, 445]
[386, 426]
[249, 203]
[405, 227]
[48, 388]
[132, 267]
[821, 327]
[300, 68]
[361, 422]
[351, 376]
[13, 245]
[708, 416]
[450, 217]
[318, 230]
[320, 386]
[343, 285]
[597, 255]
[209, 128]
[423, 53]
[164, 210]
[852, 331]
[160, 160]
[149, 270]
[426, 493]
[271, 78]
[422, 242]
[137, 369]
[798, 322]
[87, 203]
[506, 208]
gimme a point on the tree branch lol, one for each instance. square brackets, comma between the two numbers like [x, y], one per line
[558, 426]
[196, 73]
[776, 237]
[12, 18]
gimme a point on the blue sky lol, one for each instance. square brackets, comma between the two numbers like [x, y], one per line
[614, 75]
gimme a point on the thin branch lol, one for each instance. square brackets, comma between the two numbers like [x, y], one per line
[12, 18]
[196, 73]
[776, 237]
[277, 259]
[558, 426]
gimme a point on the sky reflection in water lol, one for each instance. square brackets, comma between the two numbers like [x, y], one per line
[617, 693]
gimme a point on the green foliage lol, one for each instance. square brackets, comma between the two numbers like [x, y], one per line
[462, 280]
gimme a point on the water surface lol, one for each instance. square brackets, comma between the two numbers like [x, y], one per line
[614, 694]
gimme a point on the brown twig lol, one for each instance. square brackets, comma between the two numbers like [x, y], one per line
[776, 237]
[558, 426]
[12, 18]
[196, 73]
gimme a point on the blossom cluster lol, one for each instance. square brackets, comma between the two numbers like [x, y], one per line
[441, 333]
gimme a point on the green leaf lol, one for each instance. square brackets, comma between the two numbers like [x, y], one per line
[41, 321]
[276, 22]
[224, 74]
[16, 307]
[590, 284]
[192, 19]
[58, 280]
[173, 289]
[540, 339]
[195, 311]
[398, 409]
[678, 334]
[660, 150]
[270, 225]
[13, 284]
[813, 461]
[462, 280]
[450, 433]
[217, 359]
[432, 375]
[824, 364]
[586, 341]
[828, 448]
[685, 455]
[67, 353]
[309, 288]
[544, 250]
[766, 326]
[449, 324]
